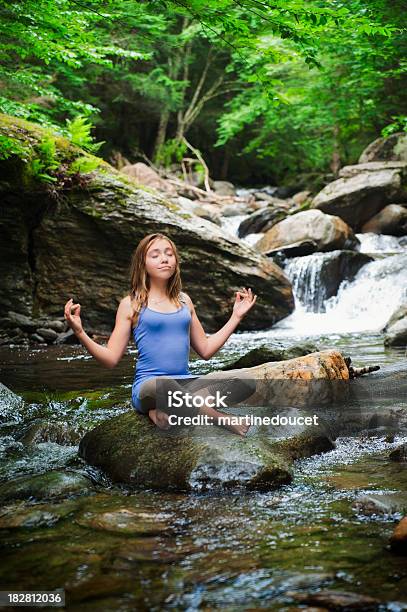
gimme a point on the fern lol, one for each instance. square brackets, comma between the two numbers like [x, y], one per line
[79, 133]
[84, 165]
[43, 161]
[9, 147]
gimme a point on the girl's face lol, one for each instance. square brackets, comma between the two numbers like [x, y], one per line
[160, 259]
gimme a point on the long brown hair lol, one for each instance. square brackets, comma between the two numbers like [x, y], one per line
[140, 281]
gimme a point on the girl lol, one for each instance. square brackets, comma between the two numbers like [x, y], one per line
[164, 324]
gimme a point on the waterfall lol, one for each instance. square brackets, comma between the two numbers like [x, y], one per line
[364, 304]
[305, 276]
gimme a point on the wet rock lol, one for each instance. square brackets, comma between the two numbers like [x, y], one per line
[391, 220]
[127, 556]
[11, 405]
[261, 221]
[130, 449]
[15, 319]
[265, 354]
[126, 521]
[23, 516]
[380, 504]
[37, 338]
[56, 325]
[50, 485]
[395, 331]
[306, 232]
[318, 378]
[224, 188]
[46, 431]
[337, 600]
[387, 148]
[10, 447]
[111, 209]
[399, 453]
[362, 191]
[398, 539]
[48, 334]
[67, 337]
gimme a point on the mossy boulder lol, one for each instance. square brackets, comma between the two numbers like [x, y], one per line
[131, 450]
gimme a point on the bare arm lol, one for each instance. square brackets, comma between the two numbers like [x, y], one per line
[111, 354]
[206, 346]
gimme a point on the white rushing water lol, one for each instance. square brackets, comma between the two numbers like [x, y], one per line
[380, 243]
[364, 304]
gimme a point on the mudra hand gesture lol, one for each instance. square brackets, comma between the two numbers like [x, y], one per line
[73, 318]
[245, 300]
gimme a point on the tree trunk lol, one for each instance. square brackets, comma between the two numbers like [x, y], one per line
[161, 132]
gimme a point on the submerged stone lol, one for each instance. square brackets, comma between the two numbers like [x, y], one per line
[45, 486]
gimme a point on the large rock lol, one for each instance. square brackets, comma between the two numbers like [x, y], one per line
[130, 449]
[395, 329]
[390, 148]
[261, 220]
[392, 220]
[362, 190]
[398, 539]
[145, 176]
[224, 188]
[80, 245]
[307, 232]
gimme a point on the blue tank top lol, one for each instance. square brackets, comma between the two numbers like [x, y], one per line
[163, 341]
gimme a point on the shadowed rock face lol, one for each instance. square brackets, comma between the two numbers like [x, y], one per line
[76, 239]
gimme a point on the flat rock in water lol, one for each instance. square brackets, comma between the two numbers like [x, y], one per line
[50, 485]
[126, 521]
[337, 600]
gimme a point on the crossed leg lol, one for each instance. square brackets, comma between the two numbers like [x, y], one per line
[234, 387]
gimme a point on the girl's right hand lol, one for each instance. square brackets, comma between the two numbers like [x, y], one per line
[73, 319]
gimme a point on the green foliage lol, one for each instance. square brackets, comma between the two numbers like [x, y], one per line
[84, 165]
[9, 147]
[78, 130]
[399, 124]
[284, 84]
[172, 151]
[44, 160]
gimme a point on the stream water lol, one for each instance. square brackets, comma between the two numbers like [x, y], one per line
[235, 550]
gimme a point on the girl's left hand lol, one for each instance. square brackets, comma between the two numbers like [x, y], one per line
[245, 300]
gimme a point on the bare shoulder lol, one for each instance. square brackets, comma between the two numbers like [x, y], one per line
[125, 307]
[184, 296]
